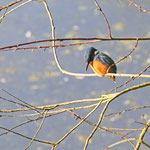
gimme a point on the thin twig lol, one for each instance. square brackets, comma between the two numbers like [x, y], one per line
[119, 142]
[26, 137]
[19, 125]
[146, 144]
[100, 9]
[11, 4]
[15, 8]
[139, 7]
[3, 15]
[142, 135]
[41, 124]
[129, 54]
[27, 104]
[123, 111]
[17, 103]
[132, 78]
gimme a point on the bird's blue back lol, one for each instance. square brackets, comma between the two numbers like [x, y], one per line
[105, 59]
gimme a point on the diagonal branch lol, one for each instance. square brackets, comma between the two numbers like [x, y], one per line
[142, 135]
[119, 142]
[14, 9]
[29, 138]
[27, 104]
[129, 54]
[41, 124]
[11, 4]
[139, 7]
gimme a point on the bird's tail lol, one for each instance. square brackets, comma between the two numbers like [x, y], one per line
[113, 78]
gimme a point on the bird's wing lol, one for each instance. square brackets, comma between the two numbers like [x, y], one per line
[105, 59]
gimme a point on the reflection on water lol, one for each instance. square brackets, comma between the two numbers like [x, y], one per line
[34, 77]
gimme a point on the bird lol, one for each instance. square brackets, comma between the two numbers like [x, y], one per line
[100, 62]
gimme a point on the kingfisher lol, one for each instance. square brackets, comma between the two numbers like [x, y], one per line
[100, 63]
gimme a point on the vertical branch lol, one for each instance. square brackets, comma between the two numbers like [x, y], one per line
[100, 9]
[53, 35]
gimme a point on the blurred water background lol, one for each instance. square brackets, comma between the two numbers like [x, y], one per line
[34, 77]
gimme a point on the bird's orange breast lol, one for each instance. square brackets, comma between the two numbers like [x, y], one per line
[101, 69]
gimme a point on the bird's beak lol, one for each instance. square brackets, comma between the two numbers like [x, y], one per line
[87, 64]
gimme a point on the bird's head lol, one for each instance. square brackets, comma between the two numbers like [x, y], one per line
[89, 55]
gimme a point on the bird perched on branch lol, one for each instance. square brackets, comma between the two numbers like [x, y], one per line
[100, 63]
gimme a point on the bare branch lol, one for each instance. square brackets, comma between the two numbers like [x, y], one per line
[142, 135]
[9, 5]
[99, 8]
[41, 124]
[26, 137]
[139, 7]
